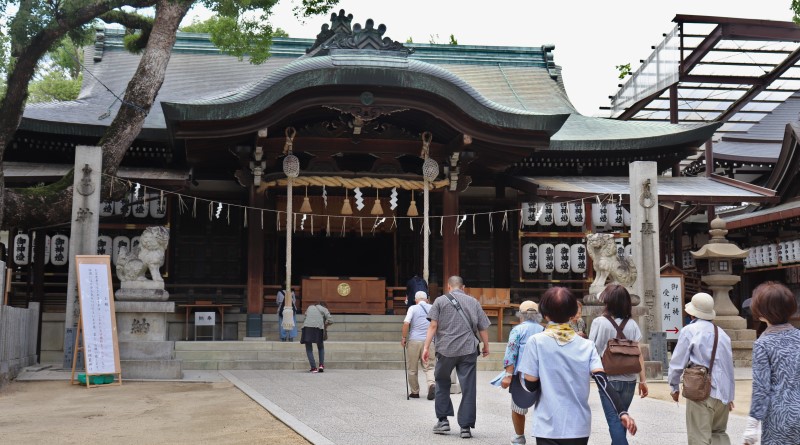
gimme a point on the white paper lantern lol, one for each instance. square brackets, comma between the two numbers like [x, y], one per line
[620, 246]
[59, 250]
[772, 255]
[562, 258]
[577, 214]
[140, 207]
[629, 252]
[122, 207]
[760, 262]
[47, 243]
[22, 249]
[599, 216]
[134, 242]
[547, 258]
[547, 215]
[561, 214]
[615, 217]
[626, 217]
[106, 208]
[530, 258]
[688, 260]
[119, 242]
[158, 209]
[791, 257]
[104, 245]
[783, 251]
[796, 250]
[529, 210]
[578, 258]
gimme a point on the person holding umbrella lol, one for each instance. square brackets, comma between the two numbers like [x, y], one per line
[415, 327]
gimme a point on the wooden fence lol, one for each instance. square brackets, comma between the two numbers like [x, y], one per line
[18, 335]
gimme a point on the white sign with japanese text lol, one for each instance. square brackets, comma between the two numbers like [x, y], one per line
[671, 305]
[97, 318]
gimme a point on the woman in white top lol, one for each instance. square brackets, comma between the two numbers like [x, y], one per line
[618, 306]
[554, 362]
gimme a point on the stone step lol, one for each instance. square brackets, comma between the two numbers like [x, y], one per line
[151, 369]
[331, 365]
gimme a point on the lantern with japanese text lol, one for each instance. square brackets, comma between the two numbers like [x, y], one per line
[577, 258]
[547, 258]
[530, 258]
[561, 211]
[577, 214]
[59, 250]
[562, 258]
[22, 249]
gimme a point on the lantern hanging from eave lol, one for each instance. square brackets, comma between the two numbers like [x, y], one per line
[599, 216]
[530, 258]
[577, 214]
[561, 214]
[59, 251]
[140, 207]
[546, 215]
[615, 216]
[529, 210]
[562, 258]
[104, 245]
[134, 242]
[119, 243]
[547, 258]
[123, 207]
[158, 206]
[577, 258]
[106, 208]
[22, 249]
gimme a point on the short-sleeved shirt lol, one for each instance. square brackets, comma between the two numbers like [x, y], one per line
[417, 318]
[564, 371]
[453, 337]
[602, 331]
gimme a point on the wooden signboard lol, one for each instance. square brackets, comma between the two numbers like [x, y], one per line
[671, 300]
[97, 323]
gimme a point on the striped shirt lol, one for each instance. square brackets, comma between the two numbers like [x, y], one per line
[453, 337]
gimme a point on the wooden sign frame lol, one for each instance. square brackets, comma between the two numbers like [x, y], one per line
[96, 292]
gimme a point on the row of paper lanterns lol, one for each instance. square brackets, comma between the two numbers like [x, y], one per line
[549, 258]
[152, 206]
[765, 255]
[562, 214]
[56, 248]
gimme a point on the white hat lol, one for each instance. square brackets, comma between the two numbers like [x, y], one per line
[528, 306]
[420, 295]
[702, 306]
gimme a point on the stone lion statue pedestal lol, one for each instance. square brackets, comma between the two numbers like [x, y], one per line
[141, 310]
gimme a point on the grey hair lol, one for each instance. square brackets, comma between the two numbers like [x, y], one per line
[455, 282]
[529, 315]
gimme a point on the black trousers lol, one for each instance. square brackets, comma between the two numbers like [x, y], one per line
[577, 441]
[465, 366]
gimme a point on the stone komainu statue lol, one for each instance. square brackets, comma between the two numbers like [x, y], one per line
[148, 255]
[608, 263]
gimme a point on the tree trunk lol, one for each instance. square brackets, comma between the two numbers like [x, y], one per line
[143, 87]
[28, 56]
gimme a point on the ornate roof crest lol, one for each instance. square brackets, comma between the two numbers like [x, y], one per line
[339, 35]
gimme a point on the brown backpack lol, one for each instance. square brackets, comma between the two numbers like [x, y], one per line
[621, 355]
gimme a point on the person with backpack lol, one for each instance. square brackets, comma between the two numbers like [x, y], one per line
[415, 327]
[615, 333]
[413, 285]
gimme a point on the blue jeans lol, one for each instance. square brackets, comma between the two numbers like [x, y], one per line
[615, 428]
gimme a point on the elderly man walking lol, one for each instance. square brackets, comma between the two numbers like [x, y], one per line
[415, 327]
[457, 320]
[701, 343]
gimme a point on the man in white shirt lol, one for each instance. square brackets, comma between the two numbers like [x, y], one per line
[415, 327]
[707, 420]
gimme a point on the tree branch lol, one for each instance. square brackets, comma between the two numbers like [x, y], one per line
[131, 21]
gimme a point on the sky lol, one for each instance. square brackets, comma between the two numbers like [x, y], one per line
[591, 36]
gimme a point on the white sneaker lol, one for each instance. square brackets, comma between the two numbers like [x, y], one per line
[518, 440]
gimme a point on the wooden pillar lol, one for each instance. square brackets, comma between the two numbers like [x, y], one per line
[255, 255]
[677, 245]
[709, 154]
[450, 246]
[673, 104]
[501, 242]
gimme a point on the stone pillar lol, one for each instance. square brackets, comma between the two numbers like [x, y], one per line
[645, 239]
[83, 231]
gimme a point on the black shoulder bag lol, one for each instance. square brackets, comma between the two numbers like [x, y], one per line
[461, 313]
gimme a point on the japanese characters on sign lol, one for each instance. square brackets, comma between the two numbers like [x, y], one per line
[671, 295]
[96, 316]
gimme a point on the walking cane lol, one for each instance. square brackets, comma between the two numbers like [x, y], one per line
[405, 366]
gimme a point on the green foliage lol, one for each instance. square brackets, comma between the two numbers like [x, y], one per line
[54, 86]
[409, 40]
[434, 39]
[309, 8]
[279, 32]
[453, 40]
[796, 10]
[624, 70]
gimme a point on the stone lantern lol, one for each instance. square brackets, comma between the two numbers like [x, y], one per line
[719, 252]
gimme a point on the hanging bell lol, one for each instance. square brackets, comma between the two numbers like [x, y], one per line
[412, 209]
[376, 208]
[306, 207]
[346, 208]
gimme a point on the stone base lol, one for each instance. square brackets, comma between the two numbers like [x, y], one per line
[730, 322]
[142, 320]
[146, 350]
[151, 369]
[254, 339]
[653, 370]
[141, 293]
[592, 300]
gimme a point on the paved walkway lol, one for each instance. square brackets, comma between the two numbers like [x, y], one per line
[370, 407]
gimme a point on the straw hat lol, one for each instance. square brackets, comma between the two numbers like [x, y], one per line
[528, 306]
[702, 306]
